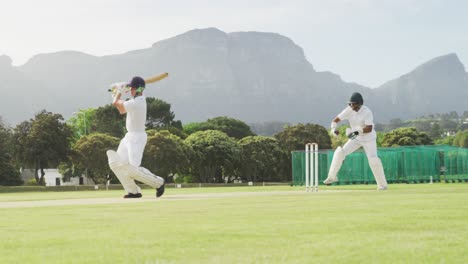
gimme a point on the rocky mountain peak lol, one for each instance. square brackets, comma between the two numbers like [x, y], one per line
[449, 63]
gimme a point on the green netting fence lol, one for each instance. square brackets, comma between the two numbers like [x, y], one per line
[408, 164]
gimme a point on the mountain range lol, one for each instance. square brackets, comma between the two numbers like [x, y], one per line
[251, 76]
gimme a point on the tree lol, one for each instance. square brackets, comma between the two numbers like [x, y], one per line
[262, 159]
[215, 155]
[42, 142]
[89, 152]
[159, 114]
[173, 130]
[448, 140]
[436, 131]
[191, 128]
[83, 122]
[108, 120]
[23, 154]
[232, 127]
[461, 139]
[166, 154]
[9, 175]
[380, 137]
[6, 137]
[295, 137]
[405, 136]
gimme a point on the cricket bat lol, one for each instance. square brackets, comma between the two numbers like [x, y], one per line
[149, 80]
[156, 78]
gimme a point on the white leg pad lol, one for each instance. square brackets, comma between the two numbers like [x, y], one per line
[118, 167]
[335, 166]
[145, 176]
[377, 169]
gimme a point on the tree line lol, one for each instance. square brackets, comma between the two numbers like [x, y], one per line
[220, 149]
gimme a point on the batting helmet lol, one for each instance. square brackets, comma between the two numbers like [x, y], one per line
[137, 82]
[356, 98]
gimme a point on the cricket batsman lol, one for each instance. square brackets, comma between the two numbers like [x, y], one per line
[360, 134]
[125, 163]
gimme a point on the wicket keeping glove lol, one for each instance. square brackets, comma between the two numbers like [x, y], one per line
[334, 132]
[355, 133]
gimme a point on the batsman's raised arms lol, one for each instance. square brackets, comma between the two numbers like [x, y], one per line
[122, 88]
[156, 78]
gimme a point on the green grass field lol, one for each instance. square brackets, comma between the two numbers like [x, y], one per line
[425, 223]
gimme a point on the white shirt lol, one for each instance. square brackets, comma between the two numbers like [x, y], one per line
[359, 119]
[136, 114]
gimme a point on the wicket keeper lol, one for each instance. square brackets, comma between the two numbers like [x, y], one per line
[361, 134]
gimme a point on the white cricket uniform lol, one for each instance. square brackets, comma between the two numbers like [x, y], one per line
[133, 144]
[126, 162]
[360, 119]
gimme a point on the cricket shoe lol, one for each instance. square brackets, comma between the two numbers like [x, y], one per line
[383, 188]
[328, 181]
[160, 190]
[132, 195]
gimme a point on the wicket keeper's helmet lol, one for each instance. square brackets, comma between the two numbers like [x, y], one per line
[138, 83]
[356, 98]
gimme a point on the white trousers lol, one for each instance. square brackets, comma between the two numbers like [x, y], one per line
[370, 148]
[126, 163]
[131, 148]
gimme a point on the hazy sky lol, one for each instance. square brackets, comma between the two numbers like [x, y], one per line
[364, 41]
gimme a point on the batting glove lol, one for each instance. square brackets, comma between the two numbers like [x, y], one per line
[120, 87]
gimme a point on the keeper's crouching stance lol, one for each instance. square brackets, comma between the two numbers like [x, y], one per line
[361, 134]
[125, 163]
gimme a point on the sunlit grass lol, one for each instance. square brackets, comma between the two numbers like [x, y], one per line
[408, 224]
